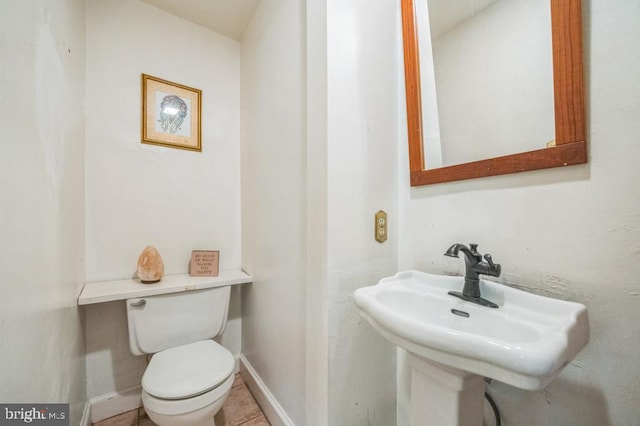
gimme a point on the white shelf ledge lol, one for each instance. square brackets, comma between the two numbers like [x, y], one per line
[108, 291]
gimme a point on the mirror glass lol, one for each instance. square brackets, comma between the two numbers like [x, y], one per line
[492, 87]
[486, 77]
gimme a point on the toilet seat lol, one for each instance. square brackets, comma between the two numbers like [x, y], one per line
[188, 371]
[180, 407]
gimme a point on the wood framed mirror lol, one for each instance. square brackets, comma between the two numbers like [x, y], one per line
[569, 146]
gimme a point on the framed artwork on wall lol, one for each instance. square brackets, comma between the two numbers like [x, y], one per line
[171, 114]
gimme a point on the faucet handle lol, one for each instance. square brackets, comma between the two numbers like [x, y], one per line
[489, 260]
[473, 247]
[496, 269]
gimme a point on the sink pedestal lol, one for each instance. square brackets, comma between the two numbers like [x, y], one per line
[444, 396]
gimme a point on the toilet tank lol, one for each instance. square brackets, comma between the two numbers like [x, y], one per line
[161, 322]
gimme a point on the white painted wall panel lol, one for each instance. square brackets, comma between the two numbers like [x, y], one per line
[140, 194]
[274, 200]
[42, 203]
[362, 179]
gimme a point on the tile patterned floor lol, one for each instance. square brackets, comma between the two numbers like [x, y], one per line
[240, 409]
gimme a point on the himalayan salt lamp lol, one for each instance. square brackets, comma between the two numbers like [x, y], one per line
[150, 266]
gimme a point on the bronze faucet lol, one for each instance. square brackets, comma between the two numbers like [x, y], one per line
[474, 266]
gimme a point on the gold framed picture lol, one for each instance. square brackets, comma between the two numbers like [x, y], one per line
[171, 114]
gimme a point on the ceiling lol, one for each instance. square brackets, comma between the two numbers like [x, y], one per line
[446, 14]
[231, 17]
[227, 17]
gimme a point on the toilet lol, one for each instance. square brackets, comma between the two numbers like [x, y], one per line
[189, 375]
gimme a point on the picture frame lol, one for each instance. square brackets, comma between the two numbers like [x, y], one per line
[204, 263]
[171, 114]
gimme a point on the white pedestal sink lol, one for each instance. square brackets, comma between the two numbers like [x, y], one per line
[455, 344]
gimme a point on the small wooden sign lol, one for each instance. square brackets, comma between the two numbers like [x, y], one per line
[204, 263]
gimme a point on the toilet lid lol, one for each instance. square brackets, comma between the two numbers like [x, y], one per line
[188, 370]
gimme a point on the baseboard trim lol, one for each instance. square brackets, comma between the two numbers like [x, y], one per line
[86, 415]
[265, 399]
[114, 403]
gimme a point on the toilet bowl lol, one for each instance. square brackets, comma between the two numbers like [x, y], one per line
[189, 375]
[187, 385]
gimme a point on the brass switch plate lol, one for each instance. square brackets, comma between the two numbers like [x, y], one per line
[381, 227]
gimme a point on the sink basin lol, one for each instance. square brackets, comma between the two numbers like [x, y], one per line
[525, 342]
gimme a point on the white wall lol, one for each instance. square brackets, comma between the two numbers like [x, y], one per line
[431, 141]
[317, 362]
[495, 69]
[309, 201]
[362, 179]
[140, 194]
[567, 233]
[42, 198]
[274, 200]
